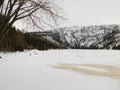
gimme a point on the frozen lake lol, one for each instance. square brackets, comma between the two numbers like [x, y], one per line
[60, 70]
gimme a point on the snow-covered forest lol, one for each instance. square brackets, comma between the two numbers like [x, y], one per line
[84, 37]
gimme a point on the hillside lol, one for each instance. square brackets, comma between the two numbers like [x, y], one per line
[85, 37]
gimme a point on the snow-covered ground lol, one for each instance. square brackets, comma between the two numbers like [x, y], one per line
[60, 70]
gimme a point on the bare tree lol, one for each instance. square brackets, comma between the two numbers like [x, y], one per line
[36, 12]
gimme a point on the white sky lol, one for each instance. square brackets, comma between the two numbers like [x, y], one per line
[90, 12]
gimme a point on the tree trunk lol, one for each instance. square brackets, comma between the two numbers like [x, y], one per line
[4, 31]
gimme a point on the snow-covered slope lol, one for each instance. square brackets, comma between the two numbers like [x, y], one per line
[104, 36]
[60, 70]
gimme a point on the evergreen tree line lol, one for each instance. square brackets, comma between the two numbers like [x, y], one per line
[16, 40]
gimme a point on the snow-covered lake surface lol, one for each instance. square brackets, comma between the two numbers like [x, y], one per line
[60, 70]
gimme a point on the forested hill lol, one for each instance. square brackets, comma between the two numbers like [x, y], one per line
[85, 37]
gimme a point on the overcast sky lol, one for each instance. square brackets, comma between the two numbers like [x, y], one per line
[90, 12]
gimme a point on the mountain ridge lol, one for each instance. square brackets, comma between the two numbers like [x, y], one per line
[85, 37]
